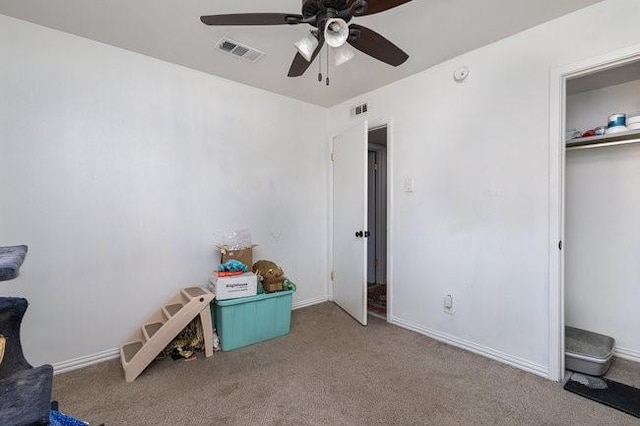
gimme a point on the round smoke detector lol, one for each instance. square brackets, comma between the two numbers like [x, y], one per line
[461, 74]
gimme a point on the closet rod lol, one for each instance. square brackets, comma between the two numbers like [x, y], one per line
[603, 144]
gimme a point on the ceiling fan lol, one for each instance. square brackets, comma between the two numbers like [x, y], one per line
[330, 20]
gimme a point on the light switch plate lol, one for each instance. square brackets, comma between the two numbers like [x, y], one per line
[409, 186]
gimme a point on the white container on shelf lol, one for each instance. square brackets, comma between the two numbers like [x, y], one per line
[616, 129]
[633, 121]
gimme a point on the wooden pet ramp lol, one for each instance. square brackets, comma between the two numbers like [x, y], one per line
[163, 326]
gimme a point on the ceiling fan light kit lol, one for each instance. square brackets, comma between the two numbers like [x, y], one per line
[336, 32]
[307, 46]
[331, 19]
[342, 54]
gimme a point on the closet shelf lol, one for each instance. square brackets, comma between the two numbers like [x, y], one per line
[622, 138]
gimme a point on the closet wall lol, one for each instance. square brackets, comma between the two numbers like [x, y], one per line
[602, 223]
[590, 109]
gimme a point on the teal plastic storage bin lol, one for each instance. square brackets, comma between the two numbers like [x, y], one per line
[247, 320]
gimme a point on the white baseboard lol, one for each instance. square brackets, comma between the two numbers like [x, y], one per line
[629, 354]
[511, 360]
[85, 361]
[309, 302]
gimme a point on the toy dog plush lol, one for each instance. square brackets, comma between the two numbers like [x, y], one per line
[271, 275]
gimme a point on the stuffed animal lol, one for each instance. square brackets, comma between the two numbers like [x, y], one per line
[271, 275]
[233, 265]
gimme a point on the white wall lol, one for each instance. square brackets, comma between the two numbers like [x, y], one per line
[602, 266]
[588, 110]
[478, 224]
[602, 281]
[118, 170]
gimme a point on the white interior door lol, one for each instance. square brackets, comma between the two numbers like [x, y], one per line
[350, 221]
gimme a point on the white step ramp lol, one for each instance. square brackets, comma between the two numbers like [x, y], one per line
[144, 345]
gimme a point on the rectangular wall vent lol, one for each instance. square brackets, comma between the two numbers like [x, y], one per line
[359, 110]
[242, 51]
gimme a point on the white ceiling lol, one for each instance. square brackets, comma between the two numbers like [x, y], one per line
[430, 31]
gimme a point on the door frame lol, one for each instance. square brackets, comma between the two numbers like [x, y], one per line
[372, 124]
[557, 164]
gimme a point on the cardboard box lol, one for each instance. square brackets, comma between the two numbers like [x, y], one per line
[234, 286]
[245, 256]
[272, 287]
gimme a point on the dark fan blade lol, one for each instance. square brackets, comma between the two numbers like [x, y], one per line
[377, 6]
[375, 45]
[252, 19]
[300, 65]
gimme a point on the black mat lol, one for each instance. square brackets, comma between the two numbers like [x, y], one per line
[615, 395]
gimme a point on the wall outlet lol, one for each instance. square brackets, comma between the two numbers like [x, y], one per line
[448, 303]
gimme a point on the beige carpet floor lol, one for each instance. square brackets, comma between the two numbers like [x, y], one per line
[329, 371]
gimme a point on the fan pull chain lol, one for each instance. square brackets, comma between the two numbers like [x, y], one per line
[320, 67]
[328, 64]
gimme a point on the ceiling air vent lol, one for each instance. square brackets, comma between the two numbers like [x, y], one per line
[359, 109]
[242, 51]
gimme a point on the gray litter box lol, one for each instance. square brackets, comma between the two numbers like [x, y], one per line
[587, 352]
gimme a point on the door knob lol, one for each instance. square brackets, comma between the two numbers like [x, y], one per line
[359, 234]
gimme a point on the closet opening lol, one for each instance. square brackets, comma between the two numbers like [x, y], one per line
[377, 220]
[598, 233]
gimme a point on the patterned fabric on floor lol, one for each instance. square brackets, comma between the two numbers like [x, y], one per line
[56, 418]
[377, 298]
